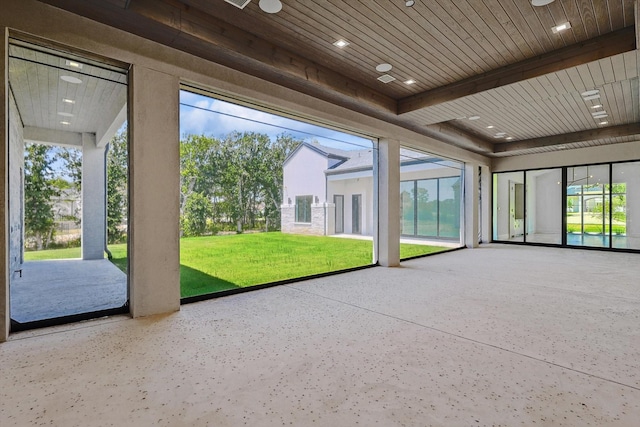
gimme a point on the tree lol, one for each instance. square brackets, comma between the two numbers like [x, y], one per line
[193, 221]
[117, 161]
[39, 189]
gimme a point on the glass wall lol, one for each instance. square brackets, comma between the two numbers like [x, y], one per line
[430, 202]
[625, 205]
[598, 206]
[508, 206]
[543, 201]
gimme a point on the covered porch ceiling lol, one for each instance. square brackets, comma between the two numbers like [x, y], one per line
[489, 76]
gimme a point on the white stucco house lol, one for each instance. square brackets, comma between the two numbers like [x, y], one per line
[329, 191]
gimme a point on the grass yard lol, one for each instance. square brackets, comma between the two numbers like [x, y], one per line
[217, 263]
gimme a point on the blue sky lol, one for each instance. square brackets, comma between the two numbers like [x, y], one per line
[238, 118]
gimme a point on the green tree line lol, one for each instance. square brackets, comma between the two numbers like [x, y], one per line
[231, 183]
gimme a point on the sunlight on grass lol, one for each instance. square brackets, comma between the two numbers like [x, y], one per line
[216, 263]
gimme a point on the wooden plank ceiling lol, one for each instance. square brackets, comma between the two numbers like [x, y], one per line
[498, 60]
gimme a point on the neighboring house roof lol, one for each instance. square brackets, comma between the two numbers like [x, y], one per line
[328, 152]
[358, 160]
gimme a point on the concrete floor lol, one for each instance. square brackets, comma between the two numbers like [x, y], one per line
[56, 288]
[501, 335]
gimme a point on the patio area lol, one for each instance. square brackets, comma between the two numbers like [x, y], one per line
[57, 288]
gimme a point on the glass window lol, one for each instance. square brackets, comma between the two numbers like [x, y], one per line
[449, 207]
[587, 209]
[427, 200]
[543, 206]
[407, 207]
[625, 206]
[508, 206]
[303, 208]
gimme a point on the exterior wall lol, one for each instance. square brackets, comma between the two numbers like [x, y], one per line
[16, 174]
[303, 175]
[347, 188]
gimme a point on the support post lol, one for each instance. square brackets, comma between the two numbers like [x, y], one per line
[5, 311]
[93, 198]
[471, 205]
[155, 192]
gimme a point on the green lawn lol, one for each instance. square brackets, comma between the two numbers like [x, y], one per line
[211, 264]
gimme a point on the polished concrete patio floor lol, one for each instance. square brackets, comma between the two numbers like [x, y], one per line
[56, 288]
[498, 336]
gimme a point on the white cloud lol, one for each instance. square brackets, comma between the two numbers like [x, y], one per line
[219, 118]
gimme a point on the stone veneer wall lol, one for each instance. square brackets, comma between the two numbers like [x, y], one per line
[320, 212]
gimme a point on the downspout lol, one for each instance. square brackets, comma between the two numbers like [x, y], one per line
[106, 213]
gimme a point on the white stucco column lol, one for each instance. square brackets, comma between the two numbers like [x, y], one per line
[4, 190]
[387, 215]
[486, 208]
[155, 192]
[471, 205]
[93, 198]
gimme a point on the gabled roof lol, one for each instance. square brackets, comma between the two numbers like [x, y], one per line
[328, 152]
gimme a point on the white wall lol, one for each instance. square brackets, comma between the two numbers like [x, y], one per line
[348, 188]
[303, 175]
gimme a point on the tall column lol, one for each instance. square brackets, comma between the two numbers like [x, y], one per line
[387, 214]
[155, 192]
[93, 198]
[5, 311]
[486, 208]
[471, 205]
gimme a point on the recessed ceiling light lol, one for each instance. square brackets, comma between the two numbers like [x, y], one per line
[474, 117]
[386, 78]
[501, 134]
[498, 136]
[509, 138]
[490, 127]
[590, 92]
[383, 68]
[590, 97]
[604, 122]
[597, 113]
[71, 79]
[596, 106]
[65, 123]
[68, 101]
[541, 2]
[409, 3]
[73, 64]
[270, 6]
[341, 43]
[60, 113]
[410, 82]
[562, 27]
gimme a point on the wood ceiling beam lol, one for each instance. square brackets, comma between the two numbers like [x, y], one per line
[604, 46]
[569, 138]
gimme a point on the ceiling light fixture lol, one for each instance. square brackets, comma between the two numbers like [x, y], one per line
[590, 92]
[383, 68]
[65, 123]
[598, 113]
[602, 116]
[73, 64]
[541, 2]
[409, 3]
[68, 101]
[474, 118]
[60, 113]
[490, 127]
[604, 122]
[591, 97]
[509, 138]
[341, 43]
[596, 106]
[562, 27]
[501, 134]
[410, 82]
[270, 6]
[71, 79]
